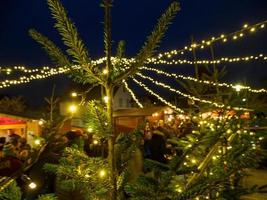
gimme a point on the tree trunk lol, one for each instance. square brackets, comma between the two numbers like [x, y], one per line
[111, 142]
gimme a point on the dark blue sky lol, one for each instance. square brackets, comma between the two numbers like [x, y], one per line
[132, 21]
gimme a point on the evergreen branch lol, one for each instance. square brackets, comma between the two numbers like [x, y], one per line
[69, 33]
[120, 50]
[51, 49]
[71, 39]
[152, 41]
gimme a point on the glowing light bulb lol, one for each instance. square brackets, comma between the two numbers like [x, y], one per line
[102, 173]
[32, 185]
[106, 99]
[95, 142]
[74, 94]
[238, 88]
[105, 71]
[40, 122]
[252, 29]
[262, 26]
[90, 130]
[193, 161]
[73, 108]
[245, 25]
[37, 141]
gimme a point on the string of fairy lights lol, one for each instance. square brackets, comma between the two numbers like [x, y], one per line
[219, 105]
[223, 38]
[132, 94]
[158, 59]
[158, 96]
[207, 82]
[261, 57]
[44, 72]
[46, 69]
[26, 79]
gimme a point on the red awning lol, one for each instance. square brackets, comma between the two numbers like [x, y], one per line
[9, 120]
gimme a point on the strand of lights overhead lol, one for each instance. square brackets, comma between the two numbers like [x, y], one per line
[217, 61]
[9, 70]
[206, 82]
[158, 97]
[132, 94]
[219, 105]
[25, 79]
[233, 36]
[47, 72]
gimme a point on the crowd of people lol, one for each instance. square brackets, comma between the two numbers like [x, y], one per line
[14, 153]
[156, 135]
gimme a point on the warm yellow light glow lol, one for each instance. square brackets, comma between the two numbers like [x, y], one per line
[74, 94]
[179, 190]
[132, 94]
[37, 141]
[41, 122]
[90, 130]
[252, 29]
[193, 161]
[95, 142]
[32, 185]
[102, 173]
[155, 114]
[73, 108]
[238, 88]
[245, 25]
[105, 71]
[263, 25]
[106, 99]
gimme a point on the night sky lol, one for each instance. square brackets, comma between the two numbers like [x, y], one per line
[132, 21]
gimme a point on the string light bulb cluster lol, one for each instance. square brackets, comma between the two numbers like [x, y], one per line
[158, 97]
[25, 79]
[206, 82]
[132, 94]
[219, 105]
[217, 61]
[233, 36]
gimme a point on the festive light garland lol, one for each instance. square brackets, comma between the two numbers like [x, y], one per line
[219, 105]
[132, 94]
[47, 72]
[156, 95]
[233, 36]
[126, 61]
[217, 61]
[25, 79]
[235, 87]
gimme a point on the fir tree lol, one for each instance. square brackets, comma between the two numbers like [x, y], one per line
[89, 73]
